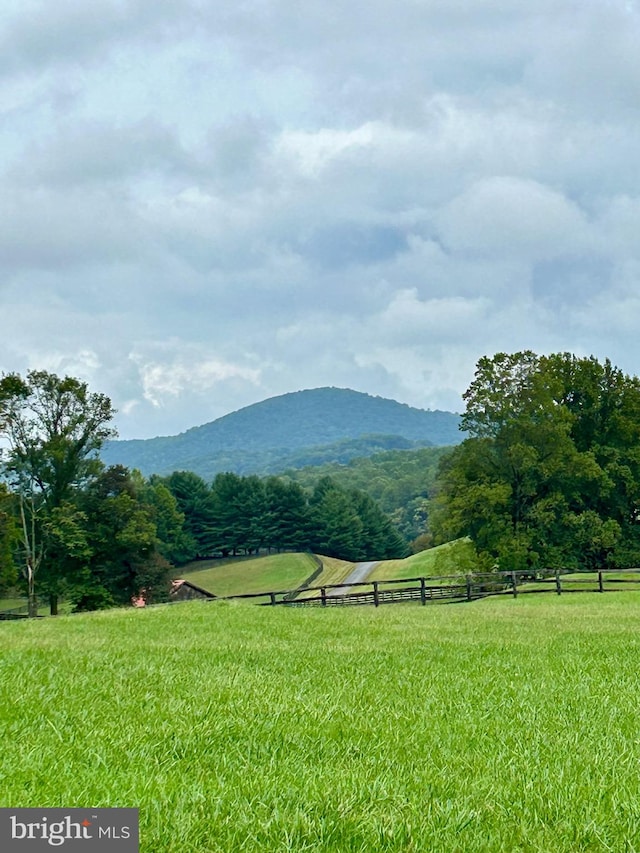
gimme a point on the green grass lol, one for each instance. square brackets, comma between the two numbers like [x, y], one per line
[43, 606]
[334, 572]
[260, 574]
[452, 558]
[12, 603]
[503, 725]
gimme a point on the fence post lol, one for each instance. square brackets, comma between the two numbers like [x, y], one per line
[600, 584]
[375, 593]
[423, 592]
[514, 584]
[323, 596]
[558, 584]
[273, 597]
[469, 590]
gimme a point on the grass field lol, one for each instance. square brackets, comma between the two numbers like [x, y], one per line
[451, 558]
[260, 574]
[503, 725]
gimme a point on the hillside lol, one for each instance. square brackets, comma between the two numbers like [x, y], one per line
[399, 480]
[305, 427]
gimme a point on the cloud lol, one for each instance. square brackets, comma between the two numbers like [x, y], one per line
[206, 204]
[96, 152]
[505, 215]
[190, 371]
[37, 35]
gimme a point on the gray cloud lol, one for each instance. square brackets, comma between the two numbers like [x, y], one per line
[206, 204]
[37, 34]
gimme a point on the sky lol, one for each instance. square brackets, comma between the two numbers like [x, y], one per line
[203, 205]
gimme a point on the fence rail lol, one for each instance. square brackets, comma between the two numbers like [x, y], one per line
[15, 613]
[447, 589]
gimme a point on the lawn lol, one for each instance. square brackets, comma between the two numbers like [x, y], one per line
[260, 574]
[452, 558]
[501, 725]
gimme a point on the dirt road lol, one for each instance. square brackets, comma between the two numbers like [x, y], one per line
[360, 573]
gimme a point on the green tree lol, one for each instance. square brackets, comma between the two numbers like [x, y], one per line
[238, 516]
[195, 501]
[174, 541]
[336, 529]
[54, 428]
[286, 516]
[123, 560]
[9, 537]
[550, 475]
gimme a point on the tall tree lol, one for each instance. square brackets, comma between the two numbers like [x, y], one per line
[123, 560]
[175, 542]
[54, 428]
[286, 517]
[550, 475]
[9, 536]
[194, 500]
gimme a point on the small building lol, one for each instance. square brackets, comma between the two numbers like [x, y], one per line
[183, 590]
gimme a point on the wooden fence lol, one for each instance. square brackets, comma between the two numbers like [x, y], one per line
[435, 590]
[448, 589]
[319, 568]
[15, 613]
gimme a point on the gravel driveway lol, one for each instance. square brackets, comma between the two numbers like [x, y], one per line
[360, 573]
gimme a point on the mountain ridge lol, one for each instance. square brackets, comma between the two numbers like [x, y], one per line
[282, 426]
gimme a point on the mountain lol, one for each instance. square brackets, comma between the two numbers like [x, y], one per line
[322, 425]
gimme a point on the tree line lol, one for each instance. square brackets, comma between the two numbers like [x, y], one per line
[238, 514]
[550, 474]
[97, 536]
[400, 481]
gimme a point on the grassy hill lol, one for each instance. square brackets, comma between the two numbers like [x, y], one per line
[452, 558]
[501, 725]
[252, 574]
[277, 572]
[274, 572]
[306, 427]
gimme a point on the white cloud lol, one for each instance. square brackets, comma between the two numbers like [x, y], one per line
[191, 372]
[310, 152]
[512, 216]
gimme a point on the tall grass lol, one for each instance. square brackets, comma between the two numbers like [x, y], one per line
[502, 725]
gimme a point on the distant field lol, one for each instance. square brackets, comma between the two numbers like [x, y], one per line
[11, 603]
[43, 606]
[260, 574]
[449, 559]
[502, 726]
[263, 574]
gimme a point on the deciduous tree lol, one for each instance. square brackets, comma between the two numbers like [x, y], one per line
[550, 475]
[54, 428]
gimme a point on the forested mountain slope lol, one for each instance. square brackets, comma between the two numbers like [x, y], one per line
[293, 430]
[400, 481]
